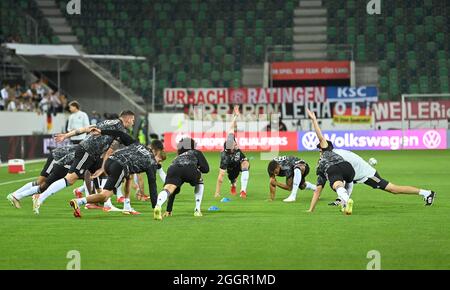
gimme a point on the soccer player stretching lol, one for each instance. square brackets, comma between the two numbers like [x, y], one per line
[134, 158]
[233, 161]
[335, 169]
[295, 170]
[188, 167]
[88, 152]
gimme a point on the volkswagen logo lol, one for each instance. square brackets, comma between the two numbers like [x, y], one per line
[310, 141]
[431, 139]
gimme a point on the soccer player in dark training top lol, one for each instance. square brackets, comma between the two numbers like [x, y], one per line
[233, 162]
[90, 149]
[335, 169]
[188, 167]
[295, 170]
[122, 164]
[58, 161]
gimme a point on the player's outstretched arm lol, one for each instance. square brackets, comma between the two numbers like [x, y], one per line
[312, 116]
[236, 114]
[315, 198]
[62, 136]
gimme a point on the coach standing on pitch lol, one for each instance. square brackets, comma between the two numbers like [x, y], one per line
[77, 120]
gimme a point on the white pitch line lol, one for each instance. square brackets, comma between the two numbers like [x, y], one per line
[19, 180]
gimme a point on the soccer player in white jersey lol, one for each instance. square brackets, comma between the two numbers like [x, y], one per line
[364, 173]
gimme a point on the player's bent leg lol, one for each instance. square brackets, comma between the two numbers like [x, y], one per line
[346, 201]
[162, 198]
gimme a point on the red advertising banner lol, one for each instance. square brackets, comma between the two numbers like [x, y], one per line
[311, 70]
[415, 110]
[248, 141]
[216, 96]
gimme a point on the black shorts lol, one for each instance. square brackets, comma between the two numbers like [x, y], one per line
[177, 175]
[48, 167]
[82, 162]
[116, 174]
[96, 165]
[233, 173]
[57, 173]
[340, 172]
[377, 182]
[75, 142]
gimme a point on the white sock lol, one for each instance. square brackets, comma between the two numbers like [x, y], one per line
[52, 189]
[349, 188]
[81, 201]
[23, 188]
[296, 182]
[108, 203]
[424, 192]
[119, 192]
[162, 174]
[244, 179]
[127, 204]
[25, 193]
[136, 179]
[310, 186]
[198, 196]
[102, 182]
[82, 188]
[343, 194]
[162, 197]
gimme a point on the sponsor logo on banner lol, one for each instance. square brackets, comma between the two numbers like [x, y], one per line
[352, 94]
[352, 119]
[378, 140]
[432, 139]
[244, 96]
[414, 110]
[247, 141]
[314, 70]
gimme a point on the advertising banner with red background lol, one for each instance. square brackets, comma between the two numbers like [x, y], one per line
[314, 70]
[247, 141]
[415, 110]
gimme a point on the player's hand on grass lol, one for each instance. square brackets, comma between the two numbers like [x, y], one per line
[217, 194]
[311, 115]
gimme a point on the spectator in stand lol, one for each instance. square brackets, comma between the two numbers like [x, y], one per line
[56, 103]
[95, 118]
[77, 120]
[64, 102]
[4, 96]
[45, 104]
[12, 107]
[281, 126]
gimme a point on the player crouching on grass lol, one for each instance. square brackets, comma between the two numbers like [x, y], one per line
[188, 167]
[295, 170]
[123, 163]
[233, 161]
[335, 169]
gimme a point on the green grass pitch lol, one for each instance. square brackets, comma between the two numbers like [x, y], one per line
[243, 234]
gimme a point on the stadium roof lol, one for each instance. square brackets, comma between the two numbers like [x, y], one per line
[62, 51]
